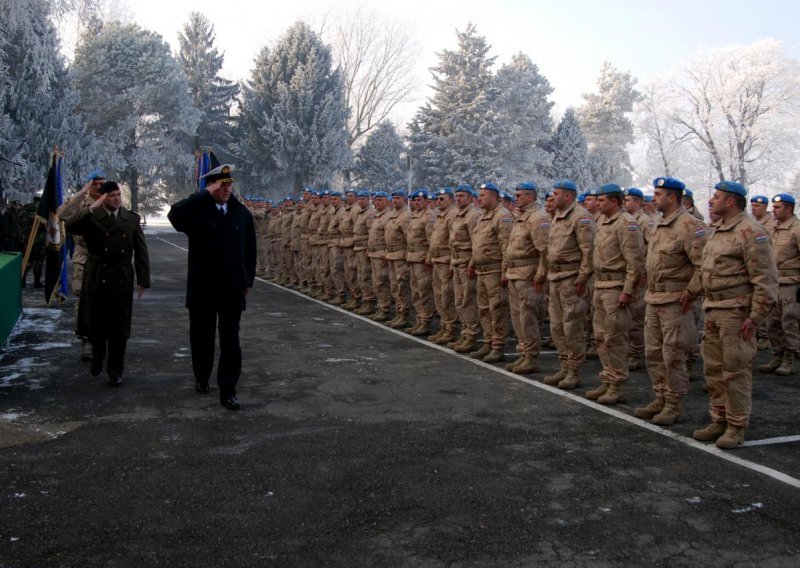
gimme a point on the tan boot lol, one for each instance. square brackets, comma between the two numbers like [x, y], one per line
[710, 433]
[495, 356]
[352, 304]
[510, 366]
[594, 394]
[570, 380]
[380, 316]
[634, 363]
[670, 414]
[413, 328]
[772, 366]
[423, 330]
[526, 365]
[553, 380]
[732, 438]
[325, 297]
[337, 300]
[482, 352]
[400, 322]
[787, 366]
[366, 309]
[456, 342]
[467, 346]
[656, 405]
[613, 395]
[436, 335]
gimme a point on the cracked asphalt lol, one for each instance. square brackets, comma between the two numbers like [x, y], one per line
[357, 446]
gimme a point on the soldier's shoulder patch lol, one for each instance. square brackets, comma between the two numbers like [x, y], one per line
[633, 227]
[699, 232]
[544, 224]
[507, 219]
[761, 238]
[584, 220]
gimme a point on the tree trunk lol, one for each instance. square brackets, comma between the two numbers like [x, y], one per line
[134, 185]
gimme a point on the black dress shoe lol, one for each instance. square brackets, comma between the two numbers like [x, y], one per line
[231, 403]
[201, 388]
[114, 381]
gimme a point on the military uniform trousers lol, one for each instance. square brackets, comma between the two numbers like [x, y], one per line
[638, 313]
[567, 321]
[203, 321]
[77, 283]
[381, 283]
[306, 263]
[728, 362]
[493, 309]
[364, 276]
[668, 334]
[466, 296]
[525, 304]
[783, 324]
[399, 278]
[351, 272]
[325, 276]
[276, 258]
[264, 257]
[589, 322]
[443, 295]
[612, 322]
[422, 291]
[337, 271]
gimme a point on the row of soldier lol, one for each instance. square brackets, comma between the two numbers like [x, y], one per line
[597, 264]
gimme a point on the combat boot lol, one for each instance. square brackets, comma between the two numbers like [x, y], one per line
[380, 316]
[656, 405]
[337, 300]
[448, 336]
[352, 304]
[422, 329]
[433, 338]
[526, 365]
[594, 394]
[456, 342]
[613, 395]
[366, 309]
[634, 363]
[553, 380]
[468, 345]
[482, 352]
[772, 366]
[710, 433]
[670, 414]
[86, 350]
[763, 344]
[570, 381]
[495, 356]
[733, 437]
[400, 322]
[325, 297]
[787, 366]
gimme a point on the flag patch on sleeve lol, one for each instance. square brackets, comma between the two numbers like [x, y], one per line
[585, 221]
[762, 238]
[700, 232]
[633, 227]
[544, 224]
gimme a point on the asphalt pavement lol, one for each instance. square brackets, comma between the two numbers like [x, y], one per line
[360, 446]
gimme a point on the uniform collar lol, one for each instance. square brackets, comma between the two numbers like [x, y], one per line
[735, 221]
[563, 214]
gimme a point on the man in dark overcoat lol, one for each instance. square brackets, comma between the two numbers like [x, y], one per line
[113, 238]
[222, 267]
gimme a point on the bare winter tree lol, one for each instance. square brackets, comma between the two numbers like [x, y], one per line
[376, 56]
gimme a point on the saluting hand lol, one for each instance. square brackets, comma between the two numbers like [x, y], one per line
[98, 202]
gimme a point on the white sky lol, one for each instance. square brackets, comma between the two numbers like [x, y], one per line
[567, 39]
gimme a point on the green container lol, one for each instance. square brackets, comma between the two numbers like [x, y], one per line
[10, 292]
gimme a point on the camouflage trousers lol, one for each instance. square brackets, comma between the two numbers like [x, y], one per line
[351, 272]
[783, 322]
[324, 268]
[337, 271]
[466, 296]
[399, 278]
[305, 263]
[589, 322]
[612, 323]
[422, 291]
[668, 333]
[493, 309]
[525, 305]
[276, 258]
[728, 362]
[567, 322]
[444, 296]
[263, 256]
[380, 283]
[364, 276]
[636, 336]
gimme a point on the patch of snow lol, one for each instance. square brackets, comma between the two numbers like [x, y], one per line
[53, 345]
[749, 508]
[694, 500]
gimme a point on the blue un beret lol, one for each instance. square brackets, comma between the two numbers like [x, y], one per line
[96, 174]
[590, 193]
[363, 193]
[419, 193]
[634, 191]
[380, 194]
[688, 193]
[445, 191]
[548, 193]
[783, 198]
[465, 188]
[490, 186]
[399, 193]
[351, 190]
[669, 183]
[526, 185]
[308, 189]
[732, 187]
[336, 194]
[763, 199]
[608, 189]
[648, 198]
[581, 198]
[288, 198]
[566, 184]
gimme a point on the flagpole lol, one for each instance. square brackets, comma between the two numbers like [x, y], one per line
[31, 238]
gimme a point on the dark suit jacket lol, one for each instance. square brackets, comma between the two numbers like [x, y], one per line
[108, 275]
[222, 249]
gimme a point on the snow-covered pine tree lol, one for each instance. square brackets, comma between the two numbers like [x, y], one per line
[453, 137]
[523, 117]
[212, 94]
[605, 120]
[294, 116]
[378, 163]
[570, 152]
[134, 96]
